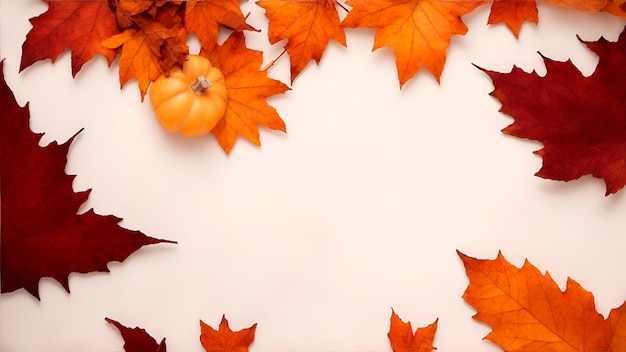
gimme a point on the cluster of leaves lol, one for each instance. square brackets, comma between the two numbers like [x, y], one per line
[526, 310]
[150, 38]
[41, 234]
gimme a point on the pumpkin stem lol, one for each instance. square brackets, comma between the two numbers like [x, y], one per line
[200, 85]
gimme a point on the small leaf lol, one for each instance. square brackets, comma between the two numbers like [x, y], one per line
[224, 339]
[137, 339]
[403, 340]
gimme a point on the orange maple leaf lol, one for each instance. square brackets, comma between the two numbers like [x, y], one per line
[403, 340]
[248, 87]
[418, 31]
[205, 16]
[55, 31]
[308, 26]
[224, 339]
[142, 57]
[528, 311]
[513, 13]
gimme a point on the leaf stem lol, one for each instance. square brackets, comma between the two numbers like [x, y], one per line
[271, 63]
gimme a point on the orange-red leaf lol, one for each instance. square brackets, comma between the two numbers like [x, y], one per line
[513, 13]
[248, 87]
[528, 311]
[308, 26]
[418, 31]
[403, 339]
[580, 120]
[56, 30]
[224, 339]
[205, 16]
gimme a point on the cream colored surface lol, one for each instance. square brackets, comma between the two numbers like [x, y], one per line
[319, 233]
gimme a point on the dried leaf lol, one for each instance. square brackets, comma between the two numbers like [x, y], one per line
[248, 87]
[403, 340]
[579, 120]
[55, 31]
[41, 233]
[137, 339]
[528, 311]
[418, 31]
[224, 339]
[308, 26]
[142, 55]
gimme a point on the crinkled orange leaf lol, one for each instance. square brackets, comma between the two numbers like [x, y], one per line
[580, 120]
[248, 88]
[527, 311]
[308, 26]
[513, 13]
[403, 339]
[581, 5]
[224, 339]
[41, 233]
[80, 26]
[142, 56]
[137, 339]
[418, 31]
[205, 16]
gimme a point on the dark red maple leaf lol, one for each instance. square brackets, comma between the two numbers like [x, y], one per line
[41, 233]
[138, 339]
[580, 120]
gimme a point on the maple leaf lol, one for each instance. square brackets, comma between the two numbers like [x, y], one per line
[205, 16]
[580, 120]
[403, 340]
[142, 57]
[418, 31]
[41, 233]
[224, 339]
[137, 339]
[528, 312]
[513, 13]
[56, 30]
[308, 26]
[248, 87]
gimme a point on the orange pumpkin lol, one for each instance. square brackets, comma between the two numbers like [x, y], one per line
[191, 100]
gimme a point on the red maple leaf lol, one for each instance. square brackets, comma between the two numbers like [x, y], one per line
[41, 234]
[56, 30]
[137, 339]
[580, 120]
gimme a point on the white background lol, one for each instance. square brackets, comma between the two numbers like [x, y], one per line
[319, 233]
